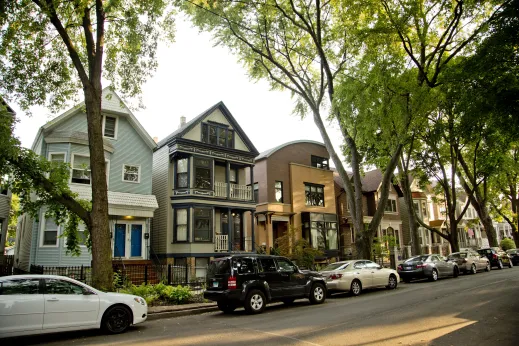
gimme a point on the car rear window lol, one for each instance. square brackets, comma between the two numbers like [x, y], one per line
[19, 286]
[417, 259]
[458, 255]
[219, 267]
[335, 266]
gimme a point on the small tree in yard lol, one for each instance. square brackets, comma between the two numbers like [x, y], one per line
[507, 244]
[296, 248]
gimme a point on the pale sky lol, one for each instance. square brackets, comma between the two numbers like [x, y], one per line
[193, 76]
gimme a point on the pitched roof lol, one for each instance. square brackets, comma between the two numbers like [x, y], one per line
[193, 122]
[110, 102]
[119, 198]
[371, 180]
[8, 108]
[436, 223]
[271, 151]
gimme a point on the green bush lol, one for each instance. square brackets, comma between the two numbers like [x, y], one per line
[160, 293]
[507, 244]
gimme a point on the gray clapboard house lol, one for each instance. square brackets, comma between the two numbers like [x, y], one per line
[201, 177]
[5, 193]
[131, 205]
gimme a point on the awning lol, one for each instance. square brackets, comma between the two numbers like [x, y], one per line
[121, 203]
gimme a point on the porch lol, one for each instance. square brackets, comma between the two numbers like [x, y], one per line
[234, 191]
[231, 231]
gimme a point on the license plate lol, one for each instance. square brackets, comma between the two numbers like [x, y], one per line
[407, 268]
[215, 284]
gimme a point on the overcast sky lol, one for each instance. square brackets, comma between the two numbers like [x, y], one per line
[193, 76]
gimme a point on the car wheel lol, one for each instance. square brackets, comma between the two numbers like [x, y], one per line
[488, 267]
[456, 272]
[500, 264]
[288, 301]
[473, 269]
[510, 264]
[434, 275]
[356, 288]
[117, 319]
[255, 302]
[318, 293]
[226, 307]
[392, 283]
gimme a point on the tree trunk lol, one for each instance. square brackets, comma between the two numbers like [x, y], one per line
[486, 220]
[453, 233]
[515, 218]
[408, 198]
[102, 273]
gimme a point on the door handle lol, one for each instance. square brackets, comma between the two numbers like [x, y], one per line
[284, 274]
[53, 299]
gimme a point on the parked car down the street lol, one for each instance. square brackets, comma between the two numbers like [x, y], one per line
[497, 257]
[514, 256]
[432, 267]
[355, 276]
[253, 281]
[36, 304]
[469, 261]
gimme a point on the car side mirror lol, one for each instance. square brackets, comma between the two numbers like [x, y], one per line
[87, 292]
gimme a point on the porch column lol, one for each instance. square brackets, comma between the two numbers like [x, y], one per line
[252, 183]
[229, 229]
[227, 178]
[252, 230]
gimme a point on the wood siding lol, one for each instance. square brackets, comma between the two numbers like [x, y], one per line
[161, 190]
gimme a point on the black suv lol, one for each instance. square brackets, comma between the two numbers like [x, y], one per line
[497, 258]
[252, 281]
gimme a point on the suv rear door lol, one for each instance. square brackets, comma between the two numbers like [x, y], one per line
[218, 273]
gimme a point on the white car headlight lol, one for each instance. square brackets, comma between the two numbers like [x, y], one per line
[139, 300]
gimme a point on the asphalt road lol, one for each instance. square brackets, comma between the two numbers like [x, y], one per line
[479, 309]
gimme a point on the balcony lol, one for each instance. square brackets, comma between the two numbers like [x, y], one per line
[237, 192]
[221, 243]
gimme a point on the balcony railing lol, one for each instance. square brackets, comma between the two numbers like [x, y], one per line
[221, 243]
[238, 192]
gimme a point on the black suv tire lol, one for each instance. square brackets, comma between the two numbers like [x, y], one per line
[255, 302]
[226, 307]
[317, 293]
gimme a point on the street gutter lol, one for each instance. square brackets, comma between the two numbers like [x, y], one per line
[160, 312]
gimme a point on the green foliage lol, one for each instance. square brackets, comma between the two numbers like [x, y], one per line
[13, 220]
[507, 244]
[298, 249]
[161, 293]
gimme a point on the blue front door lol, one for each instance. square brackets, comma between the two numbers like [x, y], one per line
[120, 240]
[136, 241]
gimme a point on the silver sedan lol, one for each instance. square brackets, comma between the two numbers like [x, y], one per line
[354, 276]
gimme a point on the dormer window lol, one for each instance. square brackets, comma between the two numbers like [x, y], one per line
[110, 127]
[218, 134]
[320, 162]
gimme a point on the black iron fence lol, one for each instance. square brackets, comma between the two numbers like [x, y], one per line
[6, 265]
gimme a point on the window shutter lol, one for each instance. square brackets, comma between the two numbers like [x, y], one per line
[110, 127]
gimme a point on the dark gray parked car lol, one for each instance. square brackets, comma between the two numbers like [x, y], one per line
[431, 267]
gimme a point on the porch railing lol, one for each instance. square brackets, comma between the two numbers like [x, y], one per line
[220, 189]
[242, 192]
[221, 243]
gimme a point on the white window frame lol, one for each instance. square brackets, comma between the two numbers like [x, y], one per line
[396, 206]
[116, 129]
[138, 174]
[64, 153]
[81, 228]
[42, 232]
[107, 162]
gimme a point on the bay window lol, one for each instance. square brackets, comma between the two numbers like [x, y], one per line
[203, 224]
[181, 225]
[203, 173]
[182, 174]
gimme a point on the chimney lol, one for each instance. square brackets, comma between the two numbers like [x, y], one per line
[182, 121]
[156, 139]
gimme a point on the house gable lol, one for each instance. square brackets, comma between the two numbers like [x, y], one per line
[218, 115]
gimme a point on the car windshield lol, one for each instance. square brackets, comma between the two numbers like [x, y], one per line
[417, 259]
[335, 266]
[218, 267]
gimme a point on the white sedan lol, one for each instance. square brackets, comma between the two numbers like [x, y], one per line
[354, 276]
[34, 304]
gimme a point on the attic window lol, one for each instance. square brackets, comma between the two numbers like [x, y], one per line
[109, 127]
[320, 162]
[218, 135]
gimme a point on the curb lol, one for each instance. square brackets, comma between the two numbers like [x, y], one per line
[183, 312]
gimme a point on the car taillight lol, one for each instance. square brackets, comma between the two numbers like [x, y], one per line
[335, 276]
[231, 283]
[494, 256]
[400, 267]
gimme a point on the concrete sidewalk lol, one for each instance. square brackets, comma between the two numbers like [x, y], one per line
[169, 311]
